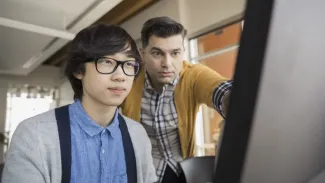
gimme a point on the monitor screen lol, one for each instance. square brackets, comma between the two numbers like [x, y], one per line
[275, 128]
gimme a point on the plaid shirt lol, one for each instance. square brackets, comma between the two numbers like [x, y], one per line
[159, 118]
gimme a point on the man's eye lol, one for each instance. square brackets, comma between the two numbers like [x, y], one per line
[105, 61]
[175, 53]
[130, 64]
[156, 53]
[108, 62]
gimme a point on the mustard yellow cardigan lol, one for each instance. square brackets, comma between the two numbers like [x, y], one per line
[195, 87]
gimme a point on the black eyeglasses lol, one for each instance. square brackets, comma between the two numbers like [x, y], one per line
[107, 65]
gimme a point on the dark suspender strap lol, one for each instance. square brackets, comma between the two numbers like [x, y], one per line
[63, 122]
[130, 162]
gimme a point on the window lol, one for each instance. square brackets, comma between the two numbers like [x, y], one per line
[217, 50]
[25, 102]
[216, 42]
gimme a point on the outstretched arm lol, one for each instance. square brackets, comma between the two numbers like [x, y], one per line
[221, 96]
[211, 88]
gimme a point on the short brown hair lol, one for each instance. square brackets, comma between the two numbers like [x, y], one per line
[163, 27]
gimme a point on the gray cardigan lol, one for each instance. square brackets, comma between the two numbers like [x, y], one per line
[34, 155]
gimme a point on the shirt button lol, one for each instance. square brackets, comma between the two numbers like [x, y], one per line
[103, 150]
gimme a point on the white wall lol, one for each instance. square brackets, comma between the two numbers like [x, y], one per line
[193, 14]
[211, 12]
[161, 8]
[65, 93]
[47, 76]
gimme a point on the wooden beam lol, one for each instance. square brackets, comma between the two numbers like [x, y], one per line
[119, 14]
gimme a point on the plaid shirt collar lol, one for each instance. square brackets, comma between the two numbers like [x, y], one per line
[147, 84]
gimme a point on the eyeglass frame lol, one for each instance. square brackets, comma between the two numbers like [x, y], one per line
[118, 63]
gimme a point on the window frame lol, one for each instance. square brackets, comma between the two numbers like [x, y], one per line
[195, 59]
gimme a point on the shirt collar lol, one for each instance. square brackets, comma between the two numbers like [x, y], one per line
[88, 125]
[147, 83]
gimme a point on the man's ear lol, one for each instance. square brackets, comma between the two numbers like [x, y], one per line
[78, 75]
[142, 52]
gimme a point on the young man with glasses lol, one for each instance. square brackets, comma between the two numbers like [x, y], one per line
[87, 141]
[167, 94]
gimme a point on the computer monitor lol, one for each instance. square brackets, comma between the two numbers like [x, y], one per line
[275, 127]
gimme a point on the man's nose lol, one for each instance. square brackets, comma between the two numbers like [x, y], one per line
[167, 61]
[118, 74]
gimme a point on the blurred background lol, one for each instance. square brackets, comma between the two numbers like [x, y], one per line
[34, 36]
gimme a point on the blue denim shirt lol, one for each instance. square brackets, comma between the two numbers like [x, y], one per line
[97, 152]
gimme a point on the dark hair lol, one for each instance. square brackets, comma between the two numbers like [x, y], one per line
[163, 27]
[94, 42]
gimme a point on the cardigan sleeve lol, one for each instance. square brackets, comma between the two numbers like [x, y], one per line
[209, 87]
[220, 97]
[23, 160]
[149, 171]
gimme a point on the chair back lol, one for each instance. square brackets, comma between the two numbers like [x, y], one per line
[198, 169]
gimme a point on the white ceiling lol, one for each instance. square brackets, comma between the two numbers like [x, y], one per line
[33, 30]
